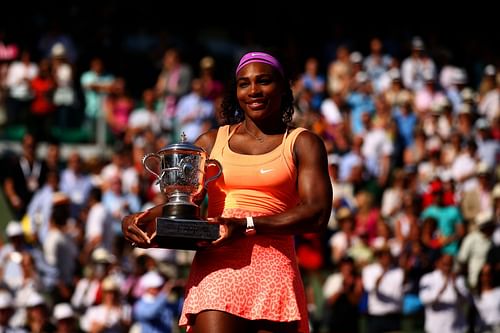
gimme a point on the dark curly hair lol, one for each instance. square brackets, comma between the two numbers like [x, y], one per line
[231, 112]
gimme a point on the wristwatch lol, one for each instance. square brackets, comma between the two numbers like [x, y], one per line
[250, 230]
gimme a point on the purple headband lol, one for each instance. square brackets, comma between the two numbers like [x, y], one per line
[259, 57]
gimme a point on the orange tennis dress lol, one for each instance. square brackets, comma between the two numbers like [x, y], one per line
[255, 277]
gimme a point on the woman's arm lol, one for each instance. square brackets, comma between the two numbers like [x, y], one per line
[314, 190]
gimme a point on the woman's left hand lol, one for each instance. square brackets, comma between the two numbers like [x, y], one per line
[229, 228]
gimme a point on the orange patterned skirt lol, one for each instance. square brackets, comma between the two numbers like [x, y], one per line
[254, 277]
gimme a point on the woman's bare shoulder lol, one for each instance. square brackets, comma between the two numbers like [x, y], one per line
[207, 139]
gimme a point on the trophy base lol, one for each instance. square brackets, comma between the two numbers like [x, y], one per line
[177, 233]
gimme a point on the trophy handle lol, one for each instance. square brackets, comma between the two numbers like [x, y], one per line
[144, 163]
[214, 177]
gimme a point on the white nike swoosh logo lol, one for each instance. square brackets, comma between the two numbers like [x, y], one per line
[263, 171]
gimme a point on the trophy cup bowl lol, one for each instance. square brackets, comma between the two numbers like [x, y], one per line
[182, 179]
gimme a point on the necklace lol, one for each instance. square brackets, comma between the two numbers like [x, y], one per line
[261, 140]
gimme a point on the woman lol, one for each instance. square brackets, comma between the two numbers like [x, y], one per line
[275, 185]
[487, 302]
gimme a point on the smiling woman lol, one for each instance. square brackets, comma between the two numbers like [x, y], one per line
[274, 185]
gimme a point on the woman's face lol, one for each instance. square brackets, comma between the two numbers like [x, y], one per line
[259, 91]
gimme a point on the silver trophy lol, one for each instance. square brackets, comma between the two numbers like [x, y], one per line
[182, 179]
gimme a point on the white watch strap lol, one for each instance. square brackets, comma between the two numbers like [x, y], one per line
[250, 224]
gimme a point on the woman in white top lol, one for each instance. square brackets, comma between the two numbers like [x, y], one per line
[487, 302]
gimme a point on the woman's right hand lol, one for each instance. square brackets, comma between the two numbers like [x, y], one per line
[139, 228]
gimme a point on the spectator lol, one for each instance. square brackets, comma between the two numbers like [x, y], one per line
[154, 312]
[7, 309]
[383, 281]
[42, 109]
[342, 292]
[444, 294]
[416, 65]
[487, 302]
[65, 319]
[96, 84]
[112, 315]
[25, 174]
[18, 81]
[475, 246]
[344, 238]
[194, 112]
[38, 315]
[173, 82]
[75, 183]
[449, 222]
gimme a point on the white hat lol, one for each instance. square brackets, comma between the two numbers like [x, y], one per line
[433, 143]
[101, 255]
[446, 176]
[63, 311]
[490, 70]
[34, 299]
[404, 97]
[417, 43]
[481, 123]
[496, 191]
[468, 94]
[484, 218]
[429, 76]
[14, 229]
[394, 74]
[110, 283]
[5, 299]
[58, 50]
[152, 279]
[465, 109]
[459, 76]
[361, 77]
[356, 57]
[482, 168]
[333, 159]
[207, 62]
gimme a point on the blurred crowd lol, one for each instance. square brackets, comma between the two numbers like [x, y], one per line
[413, 158]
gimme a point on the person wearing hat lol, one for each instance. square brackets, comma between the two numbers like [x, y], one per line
[493, 257]
[59, 249]
[416, 65]
[87, 289]
[449, 221]
[65, 319]
[12, 255]
[212, 86]
[341, 241]
[343, 190]
[112, 314]
[475, 246]
[64, 94]
[154, 312]
[488, 147]
[37, 314]
[7, 309]
[487, 82]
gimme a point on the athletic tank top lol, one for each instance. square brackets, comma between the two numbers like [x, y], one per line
[262, 184]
